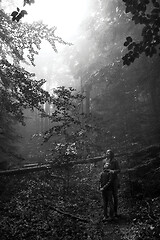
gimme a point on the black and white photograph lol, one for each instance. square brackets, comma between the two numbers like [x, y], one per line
[79, 119]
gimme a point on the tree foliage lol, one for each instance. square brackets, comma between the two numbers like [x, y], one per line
[22, 41]
[122, 100]
[19, 42]
[147, 14]
[70, 133]
[17, 15]
[28, 2]
[19, 90]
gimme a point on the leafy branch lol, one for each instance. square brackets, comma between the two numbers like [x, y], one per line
[146, 13]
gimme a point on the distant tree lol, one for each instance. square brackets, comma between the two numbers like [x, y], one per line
[96, 62]
[70, 128]
[123, 101]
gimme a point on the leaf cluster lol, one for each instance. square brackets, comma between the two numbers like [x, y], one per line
[146, 13]
[17, 15]
[22, 41]
[19, 90]
[29, 2]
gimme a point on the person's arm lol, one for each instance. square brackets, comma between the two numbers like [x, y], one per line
[101, 182]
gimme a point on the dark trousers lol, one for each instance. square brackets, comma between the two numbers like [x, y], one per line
[110, 200]
[115, 198]
[108, 205]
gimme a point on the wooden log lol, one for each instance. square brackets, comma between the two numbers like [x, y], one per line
[30, 165]
[30, 169]
[25, 170]
[85, 161]
[36, 167]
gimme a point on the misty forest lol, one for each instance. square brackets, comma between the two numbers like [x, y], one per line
[79, 77]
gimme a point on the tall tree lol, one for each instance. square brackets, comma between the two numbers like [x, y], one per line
[19, 42]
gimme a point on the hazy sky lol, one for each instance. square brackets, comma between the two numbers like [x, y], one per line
[66, 15]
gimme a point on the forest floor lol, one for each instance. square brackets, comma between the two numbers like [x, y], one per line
[37, 206]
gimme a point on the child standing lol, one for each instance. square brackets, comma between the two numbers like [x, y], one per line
[106, 187]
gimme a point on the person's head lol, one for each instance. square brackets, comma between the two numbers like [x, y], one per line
[109, 154]
[106, 167]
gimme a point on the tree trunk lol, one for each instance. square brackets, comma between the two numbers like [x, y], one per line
[87, 99]
[153, 86]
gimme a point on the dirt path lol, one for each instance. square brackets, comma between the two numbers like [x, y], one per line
[29, 203]
[118, 229]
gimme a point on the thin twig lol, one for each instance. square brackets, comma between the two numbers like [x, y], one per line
[71, 215]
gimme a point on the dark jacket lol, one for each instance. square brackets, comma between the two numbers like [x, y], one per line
[114, 165]
[106, 180]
